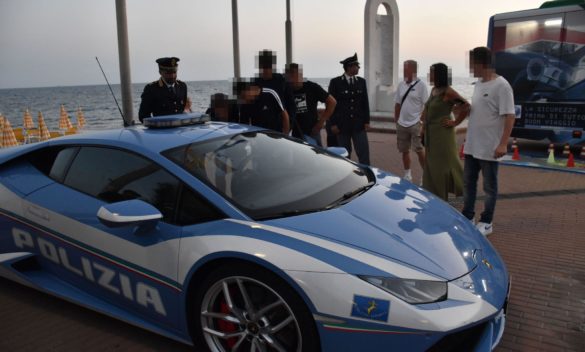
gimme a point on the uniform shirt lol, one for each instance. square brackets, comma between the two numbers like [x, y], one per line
[412, 108]
[265, 111]
[352, 111]
[158, 99]
[306, 100]
[490, 101]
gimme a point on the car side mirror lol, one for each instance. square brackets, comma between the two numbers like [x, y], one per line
[341, 151]
[129, 213]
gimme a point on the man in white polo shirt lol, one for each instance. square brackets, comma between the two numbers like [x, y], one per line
[411, 96]
[490, 124]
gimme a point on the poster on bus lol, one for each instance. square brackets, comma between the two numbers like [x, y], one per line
[542, 54]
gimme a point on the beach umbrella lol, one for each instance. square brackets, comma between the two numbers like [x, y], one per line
[80, 118]
[8, 137]
[28, 123]
[1, 128]
[64, 123]
[43, 130]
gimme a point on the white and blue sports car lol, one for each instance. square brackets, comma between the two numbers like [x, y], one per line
[234, 238]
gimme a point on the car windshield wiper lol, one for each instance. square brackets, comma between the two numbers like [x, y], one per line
[346, 197]
[287, 213]
[301, 211]
[342, 200]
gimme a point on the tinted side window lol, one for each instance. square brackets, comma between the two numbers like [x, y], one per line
[45, 160]
[193, 209]
[113, 176]
[61, 163]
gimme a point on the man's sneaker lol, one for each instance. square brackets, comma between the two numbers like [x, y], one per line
[484, 228]
[408, 177]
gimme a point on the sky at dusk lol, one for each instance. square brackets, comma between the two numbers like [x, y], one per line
[54, 42]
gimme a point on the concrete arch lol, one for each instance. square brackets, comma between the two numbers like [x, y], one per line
[381, 53]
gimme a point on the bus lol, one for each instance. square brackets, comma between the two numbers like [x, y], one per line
[541, 52]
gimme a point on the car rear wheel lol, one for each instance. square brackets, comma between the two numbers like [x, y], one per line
[251, 309]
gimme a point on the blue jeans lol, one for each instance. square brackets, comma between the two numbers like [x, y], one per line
[360, 141]
[489, 171]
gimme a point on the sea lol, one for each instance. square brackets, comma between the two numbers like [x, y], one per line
[100, 109]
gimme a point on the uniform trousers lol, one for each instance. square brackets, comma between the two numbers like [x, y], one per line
[360, 142]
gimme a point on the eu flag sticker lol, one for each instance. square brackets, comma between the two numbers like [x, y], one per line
[370, 308]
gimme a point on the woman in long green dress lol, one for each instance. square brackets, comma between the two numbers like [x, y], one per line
[443, 173]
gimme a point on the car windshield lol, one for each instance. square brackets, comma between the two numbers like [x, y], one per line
[268, 175]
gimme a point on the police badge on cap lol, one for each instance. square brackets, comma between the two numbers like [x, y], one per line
[168, 63]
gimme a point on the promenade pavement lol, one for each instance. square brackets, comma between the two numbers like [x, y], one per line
[539, 230]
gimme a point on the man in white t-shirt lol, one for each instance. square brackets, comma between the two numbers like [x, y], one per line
[489, 128]
[411, 96]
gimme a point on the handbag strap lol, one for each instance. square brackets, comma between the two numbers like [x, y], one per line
[408, 91]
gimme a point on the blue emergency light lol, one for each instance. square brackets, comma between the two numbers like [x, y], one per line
[171, 121]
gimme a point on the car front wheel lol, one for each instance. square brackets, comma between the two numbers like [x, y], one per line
[247, 308]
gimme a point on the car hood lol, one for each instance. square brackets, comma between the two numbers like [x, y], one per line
[401, 222]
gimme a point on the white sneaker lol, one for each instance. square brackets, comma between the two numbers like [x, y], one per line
[484, 228]
[408, 177]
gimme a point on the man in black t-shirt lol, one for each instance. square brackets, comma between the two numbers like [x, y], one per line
[269, 78]
[261, 107]
[307, 95]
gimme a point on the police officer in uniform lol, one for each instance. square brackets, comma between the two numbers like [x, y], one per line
[351, 118]
[168, 95]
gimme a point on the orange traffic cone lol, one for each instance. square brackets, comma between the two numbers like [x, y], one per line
[461, 154]
[571, 160]
[516, 155]
[583, 152]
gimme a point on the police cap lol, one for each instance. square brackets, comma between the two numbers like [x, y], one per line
[350, 60]
[168, 63]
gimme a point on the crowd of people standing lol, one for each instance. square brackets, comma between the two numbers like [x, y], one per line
[425, 120]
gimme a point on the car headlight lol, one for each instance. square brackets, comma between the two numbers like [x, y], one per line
[409, 290]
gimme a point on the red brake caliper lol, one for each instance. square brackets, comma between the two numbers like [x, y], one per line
[226, 326]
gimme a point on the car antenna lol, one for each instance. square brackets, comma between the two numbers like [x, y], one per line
[113, 95]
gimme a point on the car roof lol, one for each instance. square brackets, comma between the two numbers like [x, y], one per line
[138, 138]
[159, 139]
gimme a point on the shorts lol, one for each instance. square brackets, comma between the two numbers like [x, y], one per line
[408, 138]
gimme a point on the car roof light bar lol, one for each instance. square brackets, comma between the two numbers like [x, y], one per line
[172, 121]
